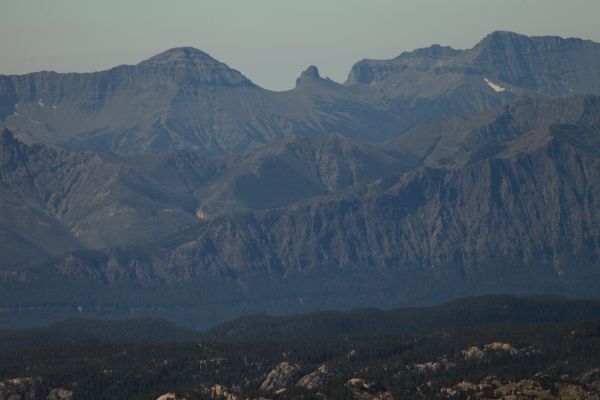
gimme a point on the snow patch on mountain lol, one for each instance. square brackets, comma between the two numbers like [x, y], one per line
[496, 88]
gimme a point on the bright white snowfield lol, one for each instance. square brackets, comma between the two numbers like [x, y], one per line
[495, 88]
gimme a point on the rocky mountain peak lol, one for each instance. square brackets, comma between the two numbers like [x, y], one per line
[195, 66]
[180, 55]
[312, 72]
[534, 62]
[501, 44]
[509, 42]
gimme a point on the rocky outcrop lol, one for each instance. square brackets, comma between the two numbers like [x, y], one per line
[23, 388]
[366, 390]
[432, 366]
[284, 374]
[473, 354]
[311, 73]
[316, 379]
[32, 389]
[481, 352]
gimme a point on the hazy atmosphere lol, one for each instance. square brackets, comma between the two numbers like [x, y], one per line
[270, 41]
[299, 200]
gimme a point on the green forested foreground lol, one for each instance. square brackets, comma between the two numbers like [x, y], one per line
[550, 360]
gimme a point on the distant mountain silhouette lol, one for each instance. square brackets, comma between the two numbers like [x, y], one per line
[183, 98]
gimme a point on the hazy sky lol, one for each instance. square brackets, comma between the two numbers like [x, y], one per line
[269, 41]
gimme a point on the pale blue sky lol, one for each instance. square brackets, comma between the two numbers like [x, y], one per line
[270, 41]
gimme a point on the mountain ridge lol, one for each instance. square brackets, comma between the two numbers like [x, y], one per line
[132, 191]
[515, 213]
[183, 98]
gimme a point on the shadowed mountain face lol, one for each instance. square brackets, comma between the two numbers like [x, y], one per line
[467, 312]
[183, 98]
[443, 140]
[516, 210]
[228, 199]
[95, 201]
[55, 200]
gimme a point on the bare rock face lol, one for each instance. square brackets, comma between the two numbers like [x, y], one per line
[432, 366]
[311, 72]
[495, 348]
[316, 379]
[284, 374]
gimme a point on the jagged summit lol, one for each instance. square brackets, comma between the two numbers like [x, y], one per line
[196, 65]
[312, 72]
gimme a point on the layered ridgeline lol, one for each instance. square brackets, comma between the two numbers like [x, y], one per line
[183, 98]
[513, 207]
[179, 99]
[54, 201]
[213, 198]
[491, 311]
[505, 62]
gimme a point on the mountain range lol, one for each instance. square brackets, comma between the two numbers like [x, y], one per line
[183, 98]
[178, 188]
